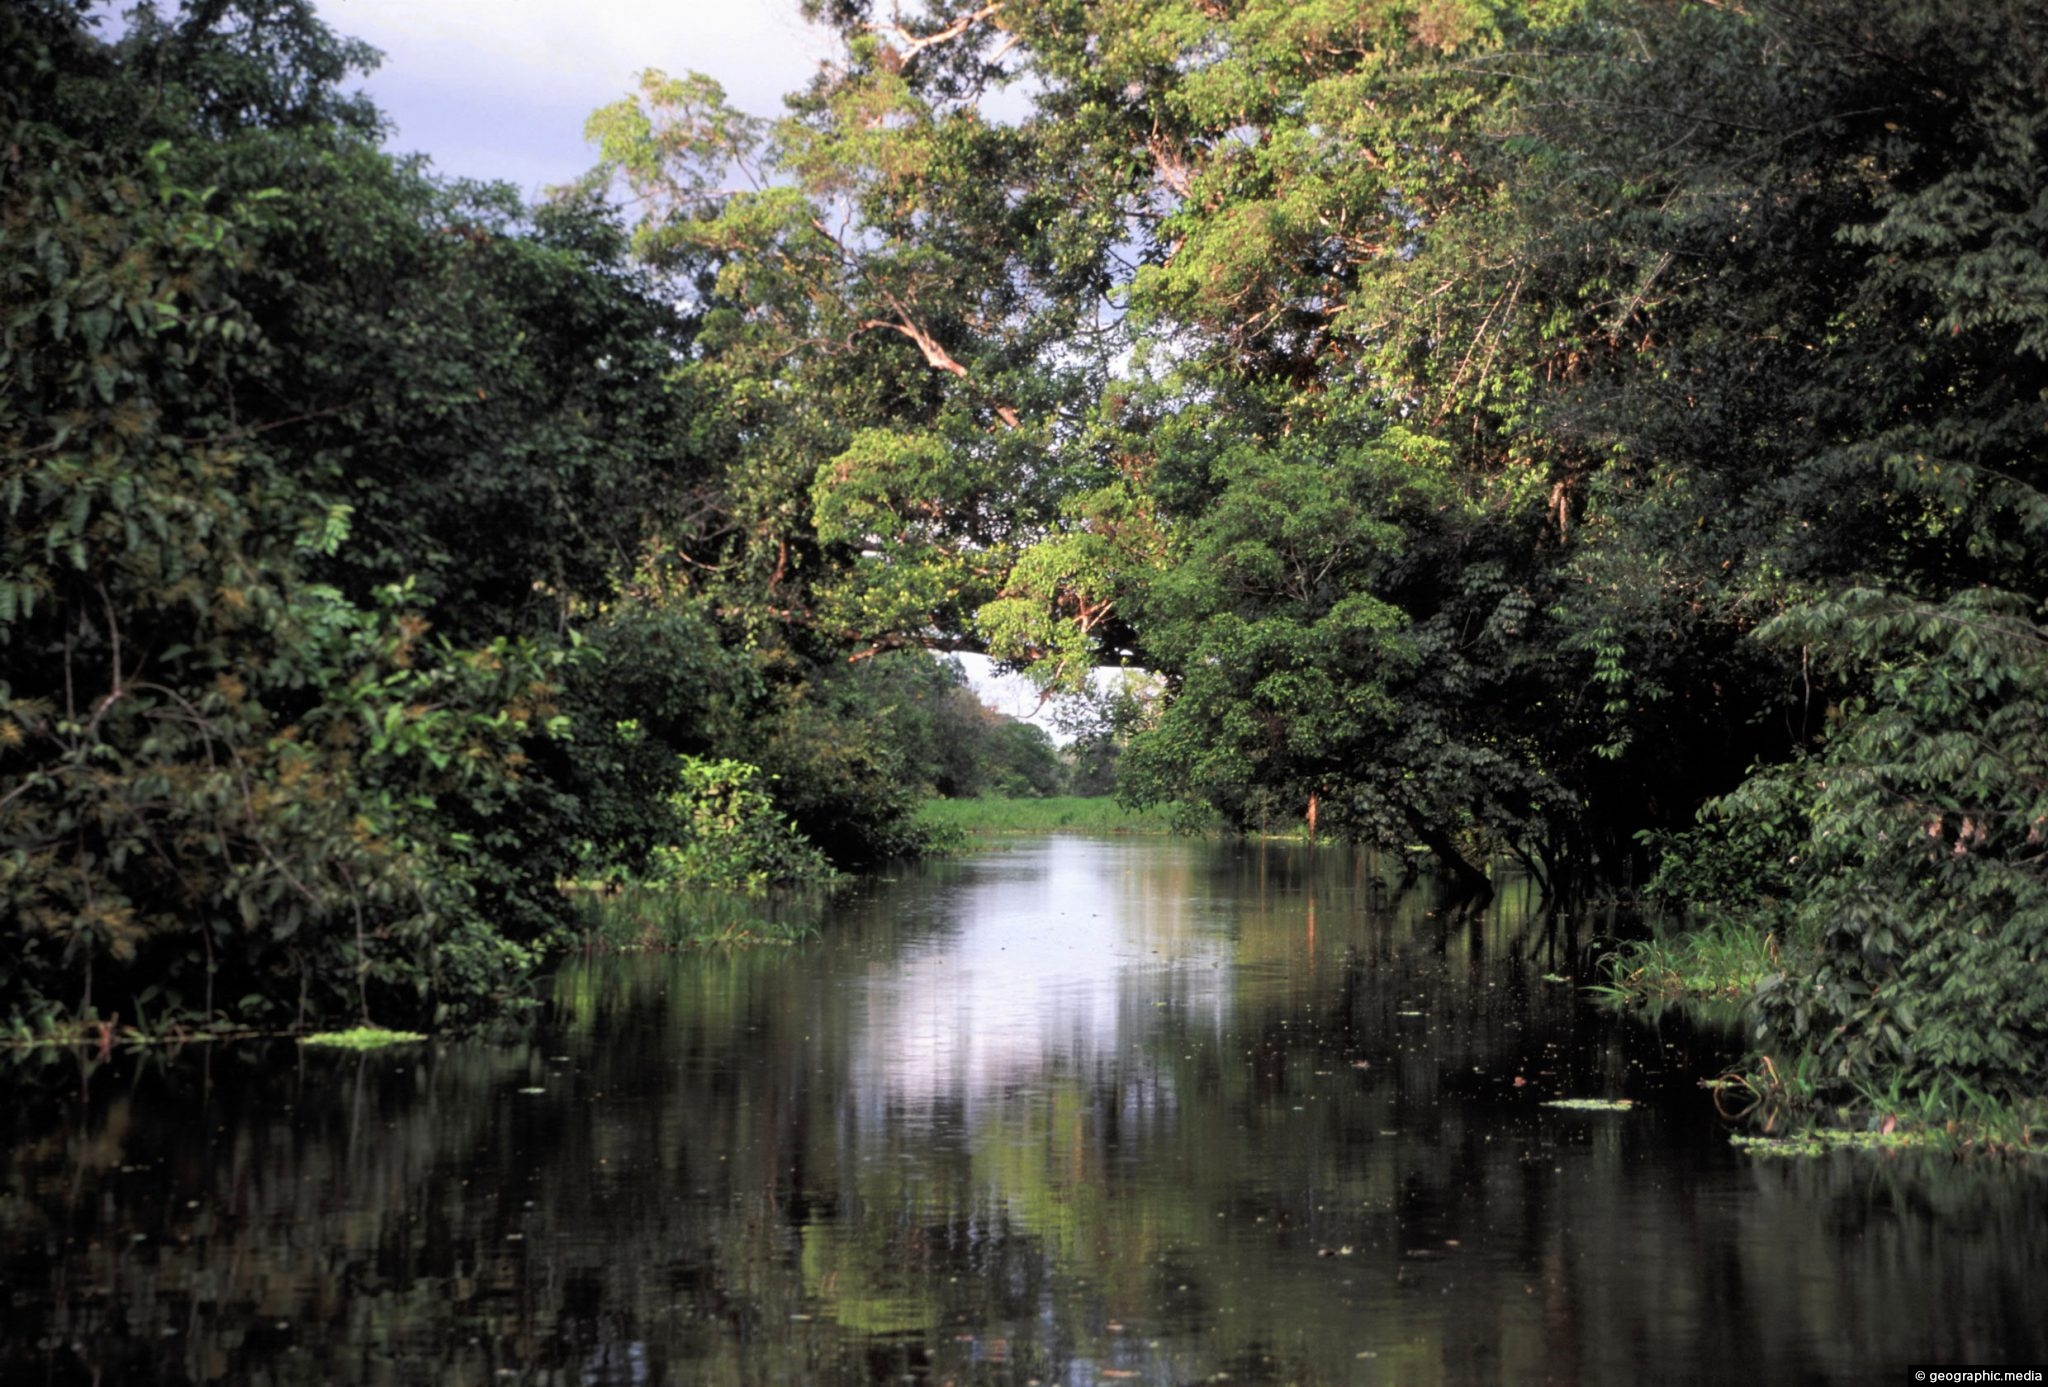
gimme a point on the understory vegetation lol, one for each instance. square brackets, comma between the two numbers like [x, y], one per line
[1722, 960]
[669, 916]
[1603, 436]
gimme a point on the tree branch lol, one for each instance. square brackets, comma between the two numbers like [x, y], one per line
[914, 44]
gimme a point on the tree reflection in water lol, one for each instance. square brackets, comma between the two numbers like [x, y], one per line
[1078, 1111]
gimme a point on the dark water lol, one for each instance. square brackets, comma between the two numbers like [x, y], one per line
[1078, 1112]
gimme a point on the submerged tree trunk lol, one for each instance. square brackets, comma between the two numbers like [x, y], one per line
[1470, 880]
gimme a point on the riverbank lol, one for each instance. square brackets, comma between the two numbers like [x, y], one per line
[1799, 1108]
[655, 918]
[1051, 814]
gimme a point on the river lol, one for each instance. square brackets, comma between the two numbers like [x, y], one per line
[1068, 1111]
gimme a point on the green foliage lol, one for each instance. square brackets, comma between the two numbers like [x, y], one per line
[652, 682]
[728, 834]
[1743, 861]
[1021, 761]
[843, 747]
[1315, 651]
[1497, 375]
[1924, 874]
[1491, 425]
[305, 459]
[949, 742]
[221, 774]
[896, 497]
[838, 772]
[1722, 959]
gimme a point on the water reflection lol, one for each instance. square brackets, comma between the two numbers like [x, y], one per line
[1036, 967]
[1077, 1112]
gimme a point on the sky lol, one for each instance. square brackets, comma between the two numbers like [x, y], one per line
[499, 89]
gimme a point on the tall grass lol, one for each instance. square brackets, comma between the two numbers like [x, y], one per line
[1721, 960]
[654, 918]
[1071, 813]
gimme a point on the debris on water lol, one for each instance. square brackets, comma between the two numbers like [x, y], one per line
[1591, 1104]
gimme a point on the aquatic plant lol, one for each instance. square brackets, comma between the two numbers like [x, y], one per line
[362, 1038]
[1818, 1141]
[1722, 960]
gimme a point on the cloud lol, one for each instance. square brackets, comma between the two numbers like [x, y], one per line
[500, 88]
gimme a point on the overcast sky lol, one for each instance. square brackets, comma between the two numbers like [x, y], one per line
[500, 88]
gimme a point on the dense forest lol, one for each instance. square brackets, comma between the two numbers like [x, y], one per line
[1609, 437]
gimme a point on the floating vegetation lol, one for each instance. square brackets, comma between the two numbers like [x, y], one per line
[1591, 1104]
[362, 1038]
[1818, 1141]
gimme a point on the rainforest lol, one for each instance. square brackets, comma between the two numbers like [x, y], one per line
[1600, 446]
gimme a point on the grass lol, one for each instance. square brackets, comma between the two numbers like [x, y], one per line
[651, 919]
[1058, 813]
[1720, 961]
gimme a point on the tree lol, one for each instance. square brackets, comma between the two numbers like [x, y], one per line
[219, 770]
[1831, 214]
[282, 731]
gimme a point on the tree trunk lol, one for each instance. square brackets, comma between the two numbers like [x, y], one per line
[1470, 880]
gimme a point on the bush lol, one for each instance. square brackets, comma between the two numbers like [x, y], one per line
[729, 833]
[1923, 876]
